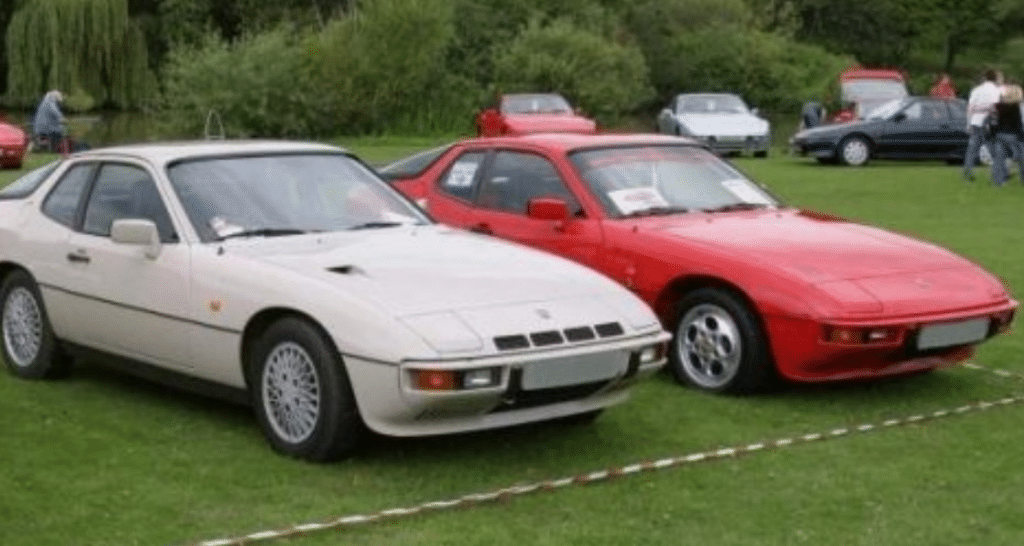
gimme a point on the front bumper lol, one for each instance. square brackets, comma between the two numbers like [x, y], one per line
[803, 354]
[527, 390]
[736, 144]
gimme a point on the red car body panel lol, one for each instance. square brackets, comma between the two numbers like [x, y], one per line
[13, 145]
[802, 272]
[505, 121]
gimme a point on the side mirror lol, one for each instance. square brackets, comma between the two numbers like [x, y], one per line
[755, 111]
[136, 231]
[547, 208]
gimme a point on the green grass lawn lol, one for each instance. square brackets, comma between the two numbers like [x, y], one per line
[102, 458]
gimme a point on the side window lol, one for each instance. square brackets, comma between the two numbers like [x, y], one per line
[515, 178]
[458, 181]
[934, 111]
[62, 203]
[125, 191]
[913, 111]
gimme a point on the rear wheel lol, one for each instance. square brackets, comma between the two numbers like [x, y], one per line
[301, 393]
[719, 344]
[30, 348]
[854, 151]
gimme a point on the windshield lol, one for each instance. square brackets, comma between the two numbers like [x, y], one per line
[285, 194]
[887, 109]
[28, 182]
[711, 104]
[535, 104]
[664, 179]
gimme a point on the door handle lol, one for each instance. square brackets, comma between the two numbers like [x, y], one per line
[482, 227]
[78, 256]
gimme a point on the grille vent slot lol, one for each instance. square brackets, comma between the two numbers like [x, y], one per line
[547, 338]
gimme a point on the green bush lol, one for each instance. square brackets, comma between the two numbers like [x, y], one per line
[605, 78]
[260, 86]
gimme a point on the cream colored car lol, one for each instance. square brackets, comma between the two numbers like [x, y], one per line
[289, 276]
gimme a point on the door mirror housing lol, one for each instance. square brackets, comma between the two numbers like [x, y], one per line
[547, 208]
[137, 231]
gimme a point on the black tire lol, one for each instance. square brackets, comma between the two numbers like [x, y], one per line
[30, 348]
[854, 151]
[719, 345]
[761, 154]
[301, 393]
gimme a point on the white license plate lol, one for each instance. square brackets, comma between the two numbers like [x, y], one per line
[574, 370]
[952, 333]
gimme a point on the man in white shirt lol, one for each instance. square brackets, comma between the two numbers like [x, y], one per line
[980, 105]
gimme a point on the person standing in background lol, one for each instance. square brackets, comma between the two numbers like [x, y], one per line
[1007, 133]
[980, 106]
[943, 88]
[48, 123]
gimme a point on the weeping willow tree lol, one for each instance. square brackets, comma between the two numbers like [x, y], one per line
[79, 46]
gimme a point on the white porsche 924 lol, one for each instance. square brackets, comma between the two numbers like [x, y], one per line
[290, 277]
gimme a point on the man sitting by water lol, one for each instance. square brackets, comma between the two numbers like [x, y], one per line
[48, 123]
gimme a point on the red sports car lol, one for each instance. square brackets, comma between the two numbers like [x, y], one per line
[520, 114]
[13, 144]
[751, 289]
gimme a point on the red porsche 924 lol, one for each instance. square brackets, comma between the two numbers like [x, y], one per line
[523, 113]
[13, 145]
[752, 289]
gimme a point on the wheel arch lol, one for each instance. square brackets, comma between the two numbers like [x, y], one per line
[665, 305]
[6, 268]
[261, 321]
[861, 135]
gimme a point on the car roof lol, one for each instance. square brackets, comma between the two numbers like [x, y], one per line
[574, 141]
[166, 152]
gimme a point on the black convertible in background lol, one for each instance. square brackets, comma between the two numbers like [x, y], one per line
[907, 128]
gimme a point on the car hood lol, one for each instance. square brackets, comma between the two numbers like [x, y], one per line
[816, 247]
[541, 123]
[836, 129]
[723, 124]
[9, 134]
[862, 269]
[408, 271]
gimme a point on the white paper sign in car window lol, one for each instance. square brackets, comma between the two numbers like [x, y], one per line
[462, 173]
[634, 199]
[745, 191]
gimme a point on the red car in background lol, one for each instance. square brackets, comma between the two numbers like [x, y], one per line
[749, 287]
[524, 113]
[13, 145]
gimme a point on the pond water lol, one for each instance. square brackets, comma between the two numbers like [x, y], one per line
[104, 128]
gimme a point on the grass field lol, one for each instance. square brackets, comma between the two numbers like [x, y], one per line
[101, 458]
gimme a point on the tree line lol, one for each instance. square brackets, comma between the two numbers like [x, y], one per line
[309, 68]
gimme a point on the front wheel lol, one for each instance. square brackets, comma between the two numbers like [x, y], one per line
[854, 151]
[30, 348]
[719, 345]
[301, 393]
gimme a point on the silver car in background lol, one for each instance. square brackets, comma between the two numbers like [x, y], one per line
[722, 121]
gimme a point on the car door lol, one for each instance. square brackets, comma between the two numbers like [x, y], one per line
[914, 131]
[122, 301]
[510, 180]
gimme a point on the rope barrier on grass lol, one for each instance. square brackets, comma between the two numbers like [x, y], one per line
[602, 475]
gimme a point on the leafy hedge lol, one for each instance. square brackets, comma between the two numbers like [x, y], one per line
[426, 66]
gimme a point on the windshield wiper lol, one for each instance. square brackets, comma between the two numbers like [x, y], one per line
[656, 211]
[376, 225]
[264, 232]
[737, 206]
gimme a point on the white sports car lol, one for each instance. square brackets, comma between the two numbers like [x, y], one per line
[722, 121]
[289, 276]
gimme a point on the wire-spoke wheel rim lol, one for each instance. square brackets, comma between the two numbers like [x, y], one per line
[22, 327]
[291, 392]
[709, 346]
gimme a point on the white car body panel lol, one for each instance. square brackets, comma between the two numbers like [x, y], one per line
[390, 300]
[735, 130]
